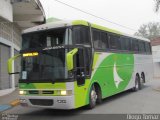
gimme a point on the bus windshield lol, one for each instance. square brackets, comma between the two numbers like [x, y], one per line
[47, 38]
[50, 63]
[47, 65]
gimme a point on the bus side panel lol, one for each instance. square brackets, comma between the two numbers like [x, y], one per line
[81, 94]
[114, 72]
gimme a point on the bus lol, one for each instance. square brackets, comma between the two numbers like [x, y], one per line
[70, 64]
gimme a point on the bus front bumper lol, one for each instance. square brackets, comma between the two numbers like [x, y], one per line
[53, 102]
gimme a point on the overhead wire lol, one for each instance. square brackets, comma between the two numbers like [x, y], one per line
[93, 15]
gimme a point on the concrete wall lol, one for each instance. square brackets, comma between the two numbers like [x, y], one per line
[156, 53]
[6, 10]
[10, 36]
[13, 18]
[156, 69]
[156, 60]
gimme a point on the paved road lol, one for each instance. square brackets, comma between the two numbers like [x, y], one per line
[146, 100]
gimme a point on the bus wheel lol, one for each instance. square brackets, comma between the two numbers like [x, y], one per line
[143, 78]
[137, 84]
[99, 94]
[92, 97]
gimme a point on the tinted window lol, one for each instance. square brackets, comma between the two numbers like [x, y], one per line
[88, 53]
[44, 39]
[114, 42]
[100, 39]
[135, 46]
[104, 40]
[128, 44]
[142, 46]
[148, 47]
[81, 35]
[48, 65]
[123, 43]
[96, 39]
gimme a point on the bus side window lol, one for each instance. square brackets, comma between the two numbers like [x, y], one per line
[148, 48]
[83, 61]
[80, 65]
[128, 44]
[104, 40]
[143, 44]
[81, 35]
[123, 43]
[141, 47]
[100, 40]
[87, 57]
[114, 42]
[135, 46]
[96, 39]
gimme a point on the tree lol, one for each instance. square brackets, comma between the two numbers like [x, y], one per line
[150, 30]
[157, 4]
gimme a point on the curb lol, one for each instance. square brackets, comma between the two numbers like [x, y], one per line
[10, 105]
[5, 107]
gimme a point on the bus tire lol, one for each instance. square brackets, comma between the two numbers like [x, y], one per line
[99, 93]
[143, 77]
[92, 97]
[137, 84]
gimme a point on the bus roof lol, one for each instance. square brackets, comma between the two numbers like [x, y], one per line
[77, 22]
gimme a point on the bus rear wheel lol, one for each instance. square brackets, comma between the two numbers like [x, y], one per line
[137, 83]
[92, 97]
[143, 77]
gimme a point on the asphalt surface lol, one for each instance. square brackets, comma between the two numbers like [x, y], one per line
[145, 101]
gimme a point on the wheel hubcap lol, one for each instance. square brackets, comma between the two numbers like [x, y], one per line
[93, 96]
[136, 85]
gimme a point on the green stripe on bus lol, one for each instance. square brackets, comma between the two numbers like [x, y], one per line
[81, 93]
[42, 86]
[85, 23]
[105, 29]
[79, 22]
[114, 73]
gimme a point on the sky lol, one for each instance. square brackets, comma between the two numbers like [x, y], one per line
[129, 13]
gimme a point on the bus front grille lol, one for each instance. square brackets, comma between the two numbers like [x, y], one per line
[41, 92]
[42, 102]
[33, 92]
[48, 92]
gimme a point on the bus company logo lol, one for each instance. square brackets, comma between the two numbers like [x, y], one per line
[53, 48]
[117, 78]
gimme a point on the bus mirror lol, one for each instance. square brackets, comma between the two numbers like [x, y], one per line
[10, 64]
[69, 58]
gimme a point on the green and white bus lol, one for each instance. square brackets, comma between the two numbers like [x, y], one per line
[70, 64]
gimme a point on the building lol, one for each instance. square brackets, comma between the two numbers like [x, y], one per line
[15, 16]
[156, 56]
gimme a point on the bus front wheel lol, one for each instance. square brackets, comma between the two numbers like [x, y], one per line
[92, 97]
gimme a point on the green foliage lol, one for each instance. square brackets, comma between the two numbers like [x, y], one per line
[150, 30]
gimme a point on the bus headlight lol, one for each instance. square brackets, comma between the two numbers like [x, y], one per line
[22, 92]
[64, 92]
